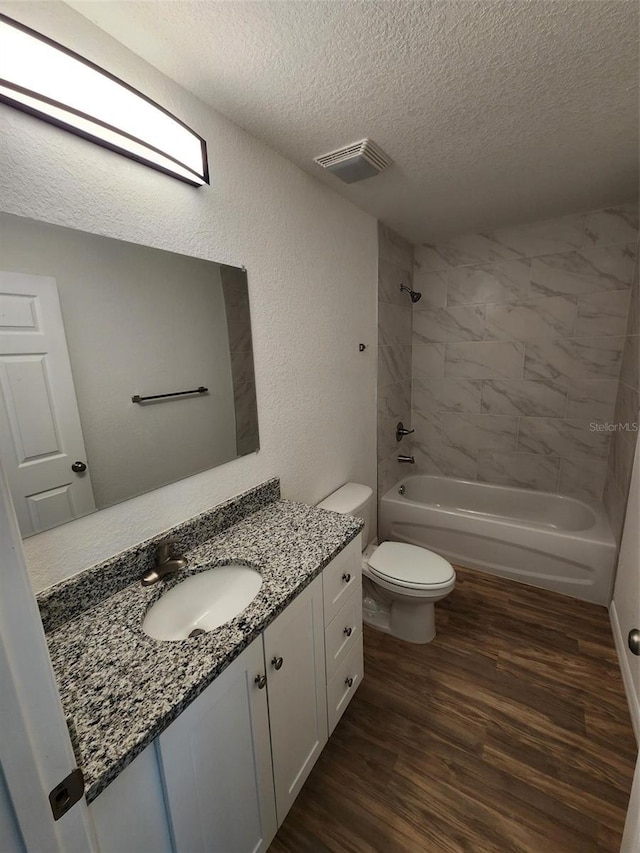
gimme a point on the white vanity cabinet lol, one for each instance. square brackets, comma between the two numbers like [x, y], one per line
[216, 764]
[342, 585]
[235, 759]
[297, 689]
[222, 777]
[130, 816]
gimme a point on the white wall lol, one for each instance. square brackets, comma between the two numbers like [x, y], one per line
[312, 264]
[137, 321]
[625, 607]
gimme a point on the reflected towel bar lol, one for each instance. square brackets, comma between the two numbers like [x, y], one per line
[138, 399]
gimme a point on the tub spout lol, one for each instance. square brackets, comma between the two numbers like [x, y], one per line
[408, 459]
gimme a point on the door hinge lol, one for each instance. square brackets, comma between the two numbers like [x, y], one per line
[67, 793]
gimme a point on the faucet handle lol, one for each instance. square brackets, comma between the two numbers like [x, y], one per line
[164, 550]
[401, 431]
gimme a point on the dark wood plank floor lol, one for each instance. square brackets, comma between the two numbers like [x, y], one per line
[509, 732]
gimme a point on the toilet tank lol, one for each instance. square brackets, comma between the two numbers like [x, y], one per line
[353, 499]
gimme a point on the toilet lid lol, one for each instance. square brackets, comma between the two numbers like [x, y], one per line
[410, 565]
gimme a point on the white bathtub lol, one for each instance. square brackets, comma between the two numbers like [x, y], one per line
[546, 540]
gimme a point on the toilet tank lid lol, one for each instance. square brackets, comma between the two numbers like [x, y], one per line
[348, 499]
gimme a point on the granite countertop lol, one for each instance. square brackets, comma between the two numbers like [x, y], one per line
[120, 688]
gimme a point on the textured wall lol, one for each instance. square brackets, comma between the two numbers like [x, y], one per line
[311, 259]
[625, 416]
[517, 347]
[395, 267]
[494, 111]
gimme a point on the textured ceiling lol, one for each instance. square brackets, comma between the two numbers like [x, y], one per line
[494, 112]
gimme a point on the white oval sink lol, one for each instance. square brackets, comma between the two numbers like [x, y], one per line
[204, 601]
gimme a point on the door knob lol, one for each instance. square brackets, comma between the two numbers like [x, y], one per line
[78, 467]
[634, 640]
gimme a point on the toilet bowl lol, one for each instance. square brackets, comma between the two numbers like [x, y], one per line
[401, 582]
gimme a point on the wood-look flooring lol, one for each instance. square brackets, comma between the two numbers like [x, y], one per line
[509, 732]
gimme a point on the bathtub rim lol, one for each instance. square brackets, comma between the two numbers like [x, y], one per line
[599, 532]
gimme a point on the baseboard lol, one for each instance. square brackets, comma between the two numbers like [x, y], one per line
[633, 699]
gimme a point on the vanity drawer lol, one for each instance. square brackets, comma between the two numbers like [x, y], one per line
[344, 683]
[340, 578]
[341, 634]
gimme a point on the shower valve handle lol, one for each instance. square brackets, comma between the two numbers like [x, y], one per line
[401, 431]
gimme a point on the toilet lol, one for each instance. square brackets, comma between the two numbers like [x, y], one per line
[401, 583]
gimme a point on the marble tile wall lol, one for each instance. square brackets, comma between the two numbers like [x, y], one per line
[517, 350]
[395, 267]
[236, 300]
[626, 418]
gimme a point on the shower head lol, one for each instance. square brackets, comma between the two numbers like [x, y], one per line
[415, 296]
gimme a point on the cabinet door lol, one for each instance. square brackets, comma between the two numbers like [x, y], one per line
[294, 654]
[130, 814]
[216, 764]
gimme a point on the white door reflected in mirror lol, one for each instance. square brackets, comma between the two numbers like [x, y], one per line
[40, 433]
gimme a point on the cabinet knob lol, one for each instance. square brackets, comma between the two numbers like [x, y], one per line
[346, 577]
[276, 662]
[261, 681]
[348, 681]
[348, 631]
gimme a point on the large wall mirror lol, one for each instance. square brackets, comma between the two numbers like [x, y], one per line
[122, 368]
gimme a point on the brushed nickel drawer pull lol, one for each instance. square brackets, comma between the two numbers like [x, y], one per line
[261, 681]
[348, 681]
[346, 577]
[348, 631]
[276, 662]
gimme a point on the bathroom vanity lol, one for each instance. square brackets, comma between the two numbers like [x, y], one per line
[203, 744]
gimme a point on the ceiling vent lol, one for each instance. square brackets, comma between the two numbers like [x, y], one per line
[355, 162]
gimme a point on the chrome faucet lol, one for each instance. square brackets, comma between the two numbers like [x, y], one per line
[409, 459]
[166, 563]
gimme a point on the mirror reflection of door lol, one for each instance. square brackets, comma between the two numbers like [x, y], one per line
[40, 432]
[137, 321]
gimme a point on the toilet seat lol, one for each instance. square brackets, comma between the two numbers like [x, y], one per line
[410, 566]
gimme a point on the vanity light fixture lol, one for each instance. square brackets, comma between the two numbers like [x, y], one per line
[43, 78]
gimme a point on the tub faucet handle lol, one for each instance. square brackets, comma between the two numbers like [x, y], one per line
[401, 431]
[410, 460]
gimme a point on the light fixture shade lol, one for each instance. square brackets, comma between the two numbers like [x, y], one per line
[45, 79]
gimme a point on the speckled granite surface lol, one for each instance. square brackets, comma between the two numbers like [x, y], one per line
[121, 689]
[70, 598]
